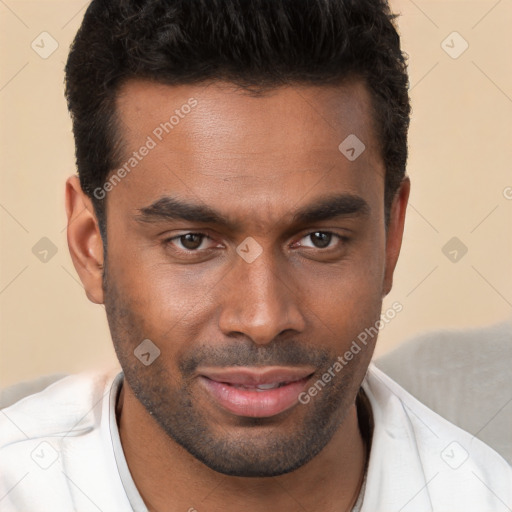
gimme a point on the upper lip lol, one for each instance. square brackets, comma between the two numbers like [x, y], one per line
[255, 376]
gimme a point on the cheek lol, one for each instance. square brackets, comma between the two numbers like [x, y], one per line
[346, 298]
[172, 302]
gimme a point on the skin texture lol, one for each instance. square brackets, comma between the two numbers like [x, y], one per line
[256, 161]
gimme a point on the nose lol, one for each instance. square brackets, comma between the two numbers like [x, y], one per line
[260, 301]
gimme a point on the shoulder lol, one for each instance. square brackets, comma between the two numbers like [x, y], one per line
[51, 440]
[415, 448]
[62, 406]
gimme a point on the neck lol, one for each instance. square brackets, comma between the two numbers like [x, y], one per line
[169, 479]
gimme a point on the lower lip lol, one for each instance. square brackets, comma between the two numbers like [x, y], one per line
[255, 404]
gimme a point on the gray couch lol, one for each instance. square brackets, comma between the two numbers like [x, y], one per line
[463, 375]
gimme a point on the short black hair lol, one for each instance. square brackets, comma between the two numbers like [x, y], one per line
[255, 44]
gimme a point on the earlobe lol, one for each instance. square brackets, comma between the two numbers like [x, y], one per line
[395, 232]
[84, 240]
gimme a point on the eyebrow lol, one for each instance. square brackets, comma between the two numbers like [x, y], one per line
[171, 208]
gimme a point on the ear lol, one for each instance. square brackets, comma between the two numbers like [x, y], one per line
[84, 240]
[395, 232]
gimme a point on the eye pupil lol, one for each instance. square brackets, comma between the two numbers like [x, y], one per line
[321, 239]
[191, 241]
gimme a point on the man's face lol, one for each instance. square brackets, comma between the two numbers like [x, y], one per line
[282, 262]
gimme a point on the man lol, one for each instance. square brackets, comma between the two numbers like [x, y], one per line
[239, 212]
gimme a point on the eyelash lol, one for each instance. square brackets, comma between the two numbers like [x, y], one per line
[169, 241]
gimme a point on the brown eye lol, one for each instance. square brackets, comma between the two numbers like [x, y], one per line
[191, 246]
[323, 240]
[191, 241]
[320, 239]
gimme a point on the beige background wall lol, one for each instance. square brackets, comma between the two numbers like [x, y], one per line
[460, 166]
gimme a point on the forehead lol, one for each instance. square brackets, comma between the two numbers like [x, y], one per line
[222, 145]
[225, 109]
